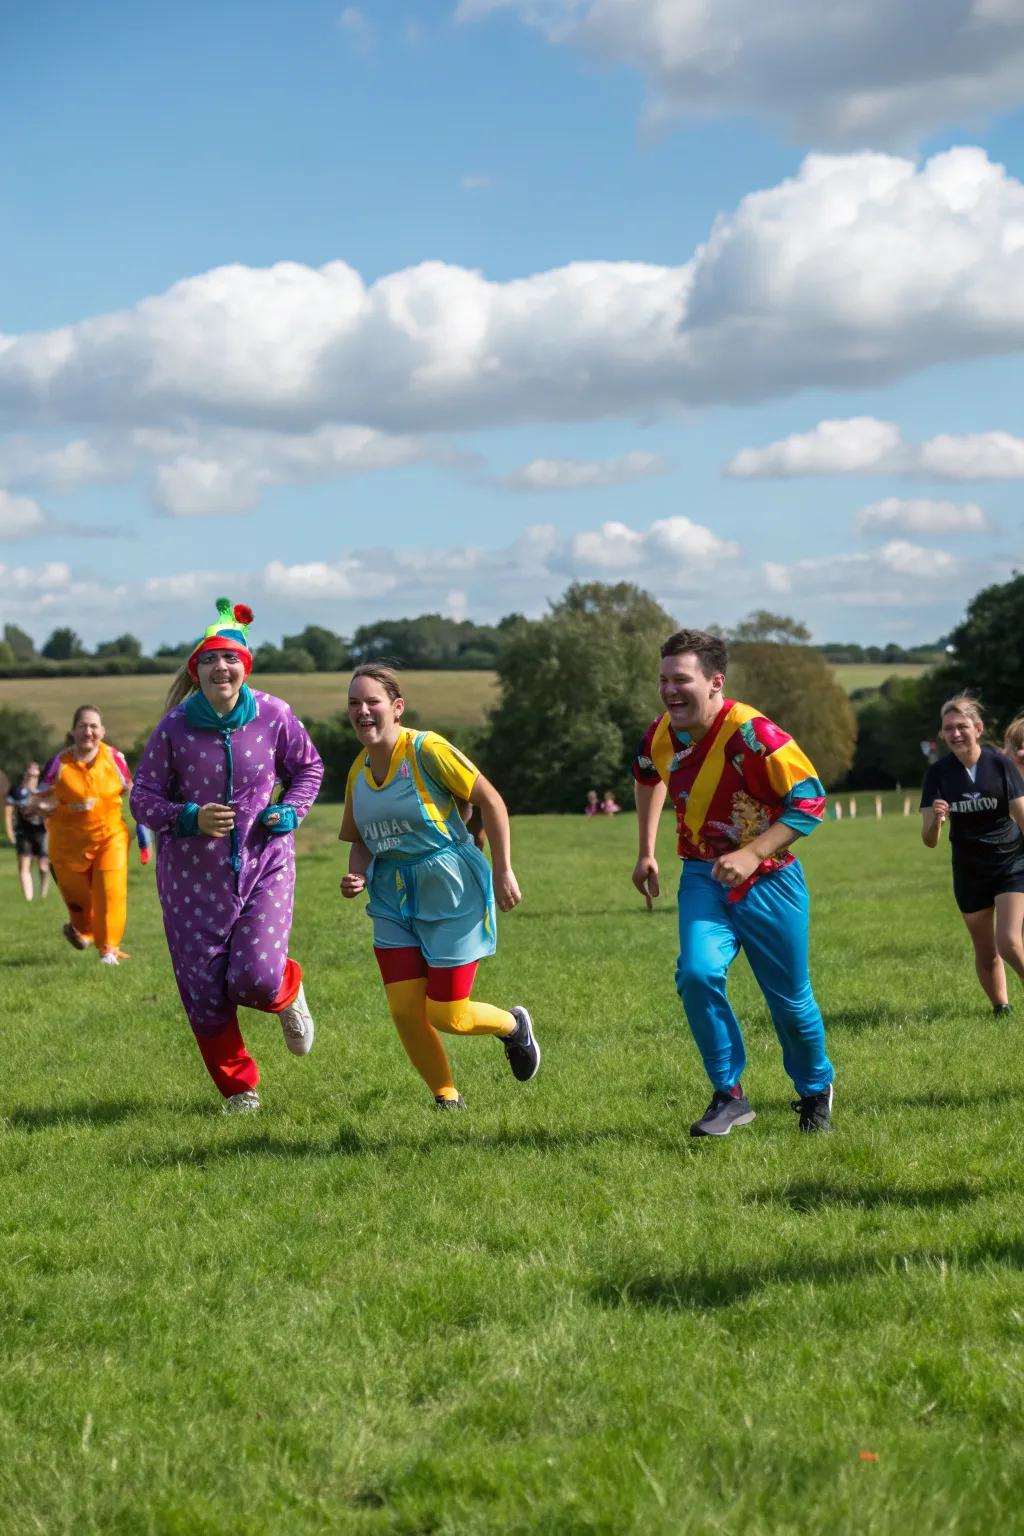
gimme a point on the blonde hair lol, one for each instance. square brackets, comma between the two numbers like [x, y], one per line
[183, 684]
[967, 704]
[1013, 741]
[386, 676]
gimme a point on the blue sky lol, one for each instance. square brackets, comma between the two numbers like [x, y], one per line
[357, 311]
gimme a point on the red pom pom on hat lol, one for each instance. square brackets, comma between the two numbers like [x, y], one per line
[243, 613]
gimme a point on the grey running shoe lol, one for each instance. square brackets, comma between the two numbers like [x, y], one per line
[725, 1110]
[521, 1047]
[815, 1110]
[74, 938]
[243, 1103]
[458, 1103]
[1001, 1010]
[297, 1025]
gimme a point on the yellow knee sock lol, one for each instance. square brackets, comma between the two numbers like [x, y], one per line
[464, 1017]
[422, 1045]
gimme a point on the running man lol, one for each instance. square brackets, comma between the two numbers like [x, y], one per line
[743, 793]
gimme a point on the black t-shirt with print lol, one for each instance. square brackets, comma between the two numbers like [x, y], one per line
[981, 829]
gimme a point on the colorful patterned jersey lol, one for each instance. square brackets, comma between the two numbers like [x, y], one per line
[414, 811]
[727, 788]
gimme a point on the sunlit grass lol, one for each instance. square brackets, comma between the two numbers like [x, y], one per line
[556, 1313]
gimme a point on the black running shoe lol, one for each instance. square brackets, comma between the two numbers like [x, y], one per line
[521, 1048]
[725, 1110]
[1001, 1010]
[458, 1103]
[815, 1110]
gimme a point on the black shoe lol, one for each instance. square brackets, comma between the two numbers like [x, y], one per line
[1001, 1009]
[458, 1103]
[815, 1110]
[521, 1048]
[725, 1110]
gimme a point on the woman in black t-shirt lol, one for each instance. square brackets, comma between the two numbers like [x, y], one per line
[980, 792]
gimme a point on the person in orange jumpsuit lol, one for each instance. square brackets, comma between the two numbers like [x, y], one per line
[81, 791]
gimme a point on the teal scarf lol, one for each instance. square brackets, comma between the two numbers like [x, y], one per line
[202, 716]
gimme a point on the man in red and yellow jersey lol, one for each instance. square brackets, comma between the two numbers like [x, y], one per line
[743, 792]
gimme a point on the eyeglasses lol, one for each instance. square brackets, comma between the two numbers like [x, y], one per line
[210, 658]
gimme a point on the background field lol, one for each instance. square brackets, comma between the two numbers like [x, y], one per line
[555, 1313]
[131, 705]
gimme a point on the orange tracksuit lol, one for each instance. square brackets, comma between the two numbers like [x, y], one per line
[89, 841]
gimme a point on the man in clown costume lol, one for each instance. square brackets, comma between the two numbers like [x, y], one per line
[743, 793]
[226, 860]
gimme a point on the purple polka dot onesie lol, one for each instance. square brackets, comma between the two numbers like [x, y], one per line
[227, 930]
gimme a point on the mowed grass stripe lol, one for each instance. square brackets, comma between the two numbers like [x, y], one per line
[555, 1313]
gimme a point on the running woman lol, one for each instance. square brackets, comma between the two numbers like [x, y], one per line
[80, 792]
[225, 867]
[980, 792]
[743, 793]
[28, 833]
[432, 893]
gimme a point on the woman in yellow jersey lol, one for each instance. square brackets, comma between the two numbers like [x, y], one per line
[81, 793]
[432, 892]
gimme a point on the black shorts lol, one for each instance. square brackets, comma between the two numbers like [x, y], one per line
[976, 889]
[31, 842]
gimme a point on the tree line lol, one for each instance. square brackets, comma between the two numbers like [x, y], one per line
[430, 642]
[577, 689]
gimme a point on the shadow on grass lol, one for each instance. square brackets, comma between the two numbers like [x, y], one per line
[711, 1289]
[89, 1113]
[816, 1196]
[951, 1098]
[21, 962]
[881, 1016]
[349, 1142]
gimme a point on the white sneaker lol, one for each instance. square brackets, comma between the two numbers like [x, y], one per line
[297, 1025]
[109, 957]
[241, 1103]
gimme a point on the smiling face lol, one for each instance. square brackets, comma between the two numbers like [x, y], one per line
[961, 733]
[87, 733]
[221, 675]
[692, 699]
[374, 714]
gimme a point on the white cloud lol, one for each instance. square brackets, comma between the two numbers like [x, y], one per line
[861, 445]
[475, 183]
[357, 27]
[52, 594]
[19, 516]
[668, 553]
[899, 575]
[583, 474]
[921, 517]
[831, 72]
[858, 270]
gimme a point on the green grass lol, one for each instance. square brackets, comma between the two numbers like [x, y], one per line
[132, 705]
[556, 1313]
[865, 674]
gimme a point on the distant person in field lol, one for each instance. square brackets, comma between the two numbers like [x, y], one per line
[225, 868]
[743, 793]
[592, 807]
[28, 833]
[432, 893]
[609, 805]
[80, 793]
[980, 793]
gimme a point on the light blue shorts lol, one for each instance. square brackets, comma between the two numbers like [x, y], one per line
[443, 903]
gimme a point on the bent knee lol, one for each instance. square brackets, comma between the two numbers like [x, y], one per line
[451, 1018]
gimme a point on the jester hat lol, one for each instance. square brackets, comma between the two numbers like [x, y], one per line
[227, 634]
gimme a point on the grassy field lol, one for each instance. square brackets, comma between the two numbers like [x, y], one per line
[857, 674]
[555, 1313]
[132, 705]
